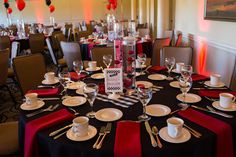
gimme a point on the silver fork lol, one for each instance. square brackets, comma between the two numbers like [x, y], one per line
[50, 108]
[107, 131]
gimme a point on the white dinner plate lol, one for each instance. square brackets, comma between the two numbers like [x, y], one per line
[141, 66]
[208, 83]
[157, 110]
[157, 77]
[108, 114]
[75, 85]
[216, 104]
[96, 69]
[92, 131]
[175, 84]
[97, 76]
[56, 80]
[145, 83]
[175, 71]
[27, 107]
[74, 101]
[183, 138]
[189, 98]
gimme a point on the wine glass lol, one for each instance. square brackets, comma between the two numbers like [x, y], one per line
[90, 92]
[144, 95]
[64, 78]
[186, 71]
[78, 66]
[142, 60]
[107, 59]
[185, 86]
[169, 63]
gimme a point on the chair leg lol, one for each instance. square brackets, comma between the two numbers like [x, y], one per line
[12, 97]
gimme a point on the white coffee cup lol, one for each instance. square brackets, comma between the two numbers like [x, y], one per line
[80, 126]
[226, 100]
[215, 79]
[142, 39]
[179, 66]
[49, 77]
[31, 98]
[174, 127]
[92, 65]
[138, 64]
[147, 37]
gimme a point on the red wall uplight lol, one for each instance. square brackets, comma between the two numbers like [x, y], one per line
[203, 25]
[38, 10]
[88, 10]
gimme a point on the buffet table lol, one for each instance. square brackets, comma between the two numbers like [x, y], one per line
[195, 147]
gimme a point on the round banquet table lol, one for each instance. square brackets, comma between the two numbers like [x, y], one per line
[202, 147]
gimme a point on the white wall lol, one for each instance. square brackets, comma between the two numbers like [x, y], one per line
[214, 42]
[66, 11]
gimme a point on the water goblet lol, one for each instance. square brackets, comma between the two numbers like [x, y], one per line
[90, 92]
[186, 71]
[64, 78]
[169, 63]
[78, 66]
[185, 86]
[107, 59]
[142, 60]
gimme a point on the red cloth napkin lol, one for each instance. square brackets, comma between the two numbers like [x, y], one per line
[32, 127]
[213, 93]
[45, 92]
[139, 47]
[224, 143]
[197, 77]
[75, 77]
[127, 140]
[157, 68]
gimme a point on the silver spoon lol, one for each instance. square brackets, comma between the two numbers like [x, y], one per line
[75, 112]
[183, 107]
[155, 132]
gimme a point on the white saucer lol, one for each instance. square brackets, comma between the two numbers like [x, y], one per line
[183, 138]
[145, 83]
[108, 114]
[157, 110]
[27, 107]
[56, 80]
[137, 74]
[175, 84]
[208, 83]
[96, 69]
[175, 71]
[141, 66]
[157, 77]
[74, 101]
[97, 76]
[75, 85]
[92, 131]
[189, 98]
[216, 104]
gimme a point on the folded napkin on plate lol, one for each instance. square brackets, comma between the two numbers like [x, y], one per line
[224, 142]
[213, 93]
[197, 77]
[32, 127]
[139, 47]
[75, 77]
[157, 68]
[45, 92]
[127, 140]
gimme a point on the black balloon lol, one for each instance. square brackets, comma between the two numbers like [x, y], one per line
[48, 2]
[6, 5]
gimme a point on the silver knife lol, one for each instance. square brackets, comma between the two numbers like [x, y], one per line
[59, 130]
[148, 128]
[214, 112]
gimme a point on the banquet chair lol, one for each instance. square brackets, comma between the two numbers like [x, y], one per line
[179, 40]
[67, 31]
[169, 34]
[9, 138]
[181, 54]
[5, 42]
[60, 63]
[54, 40]
[98, 52]
[158, 44]
[36, 42]
[15, 48]
[60, 37]
[13, 28]
[29, 70]
[233, 78]
[143, 32]
[4, 56]
[71, 51]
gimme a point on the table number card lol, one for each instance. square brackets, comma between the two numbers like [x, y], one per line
[113, 80]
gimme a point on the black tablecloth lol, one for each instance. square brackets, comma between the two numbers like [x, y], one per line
[203, 147]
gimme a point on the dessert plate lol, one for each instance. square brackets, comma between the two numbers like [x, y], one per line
[108, 114]
[189, 98]
[157, 110]
[74, 101]
[145, 83]
[157, 77]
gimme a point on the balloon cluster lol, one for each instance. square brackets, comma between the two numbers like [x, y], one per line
[20, 4]
[51, 7]
[112, 4]
[7, 6]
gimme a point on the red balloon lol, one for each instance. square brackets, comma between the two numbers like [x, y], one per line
[20, 4]
[108, 6]
[112, 1]
[9, 10]
[51, 8]
[5, 1]
[113, 6]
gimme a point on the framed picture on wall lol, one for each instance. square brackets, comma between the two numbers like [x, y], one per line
[220, 10]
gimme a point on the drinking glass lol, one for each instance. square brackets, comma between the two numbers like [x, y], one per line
[90, 92]
[186, 71]
[78, 66]
[64, 78]
[142, 60]
[144, 95]
[107, 59]
[169, 63]
[185, 86]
